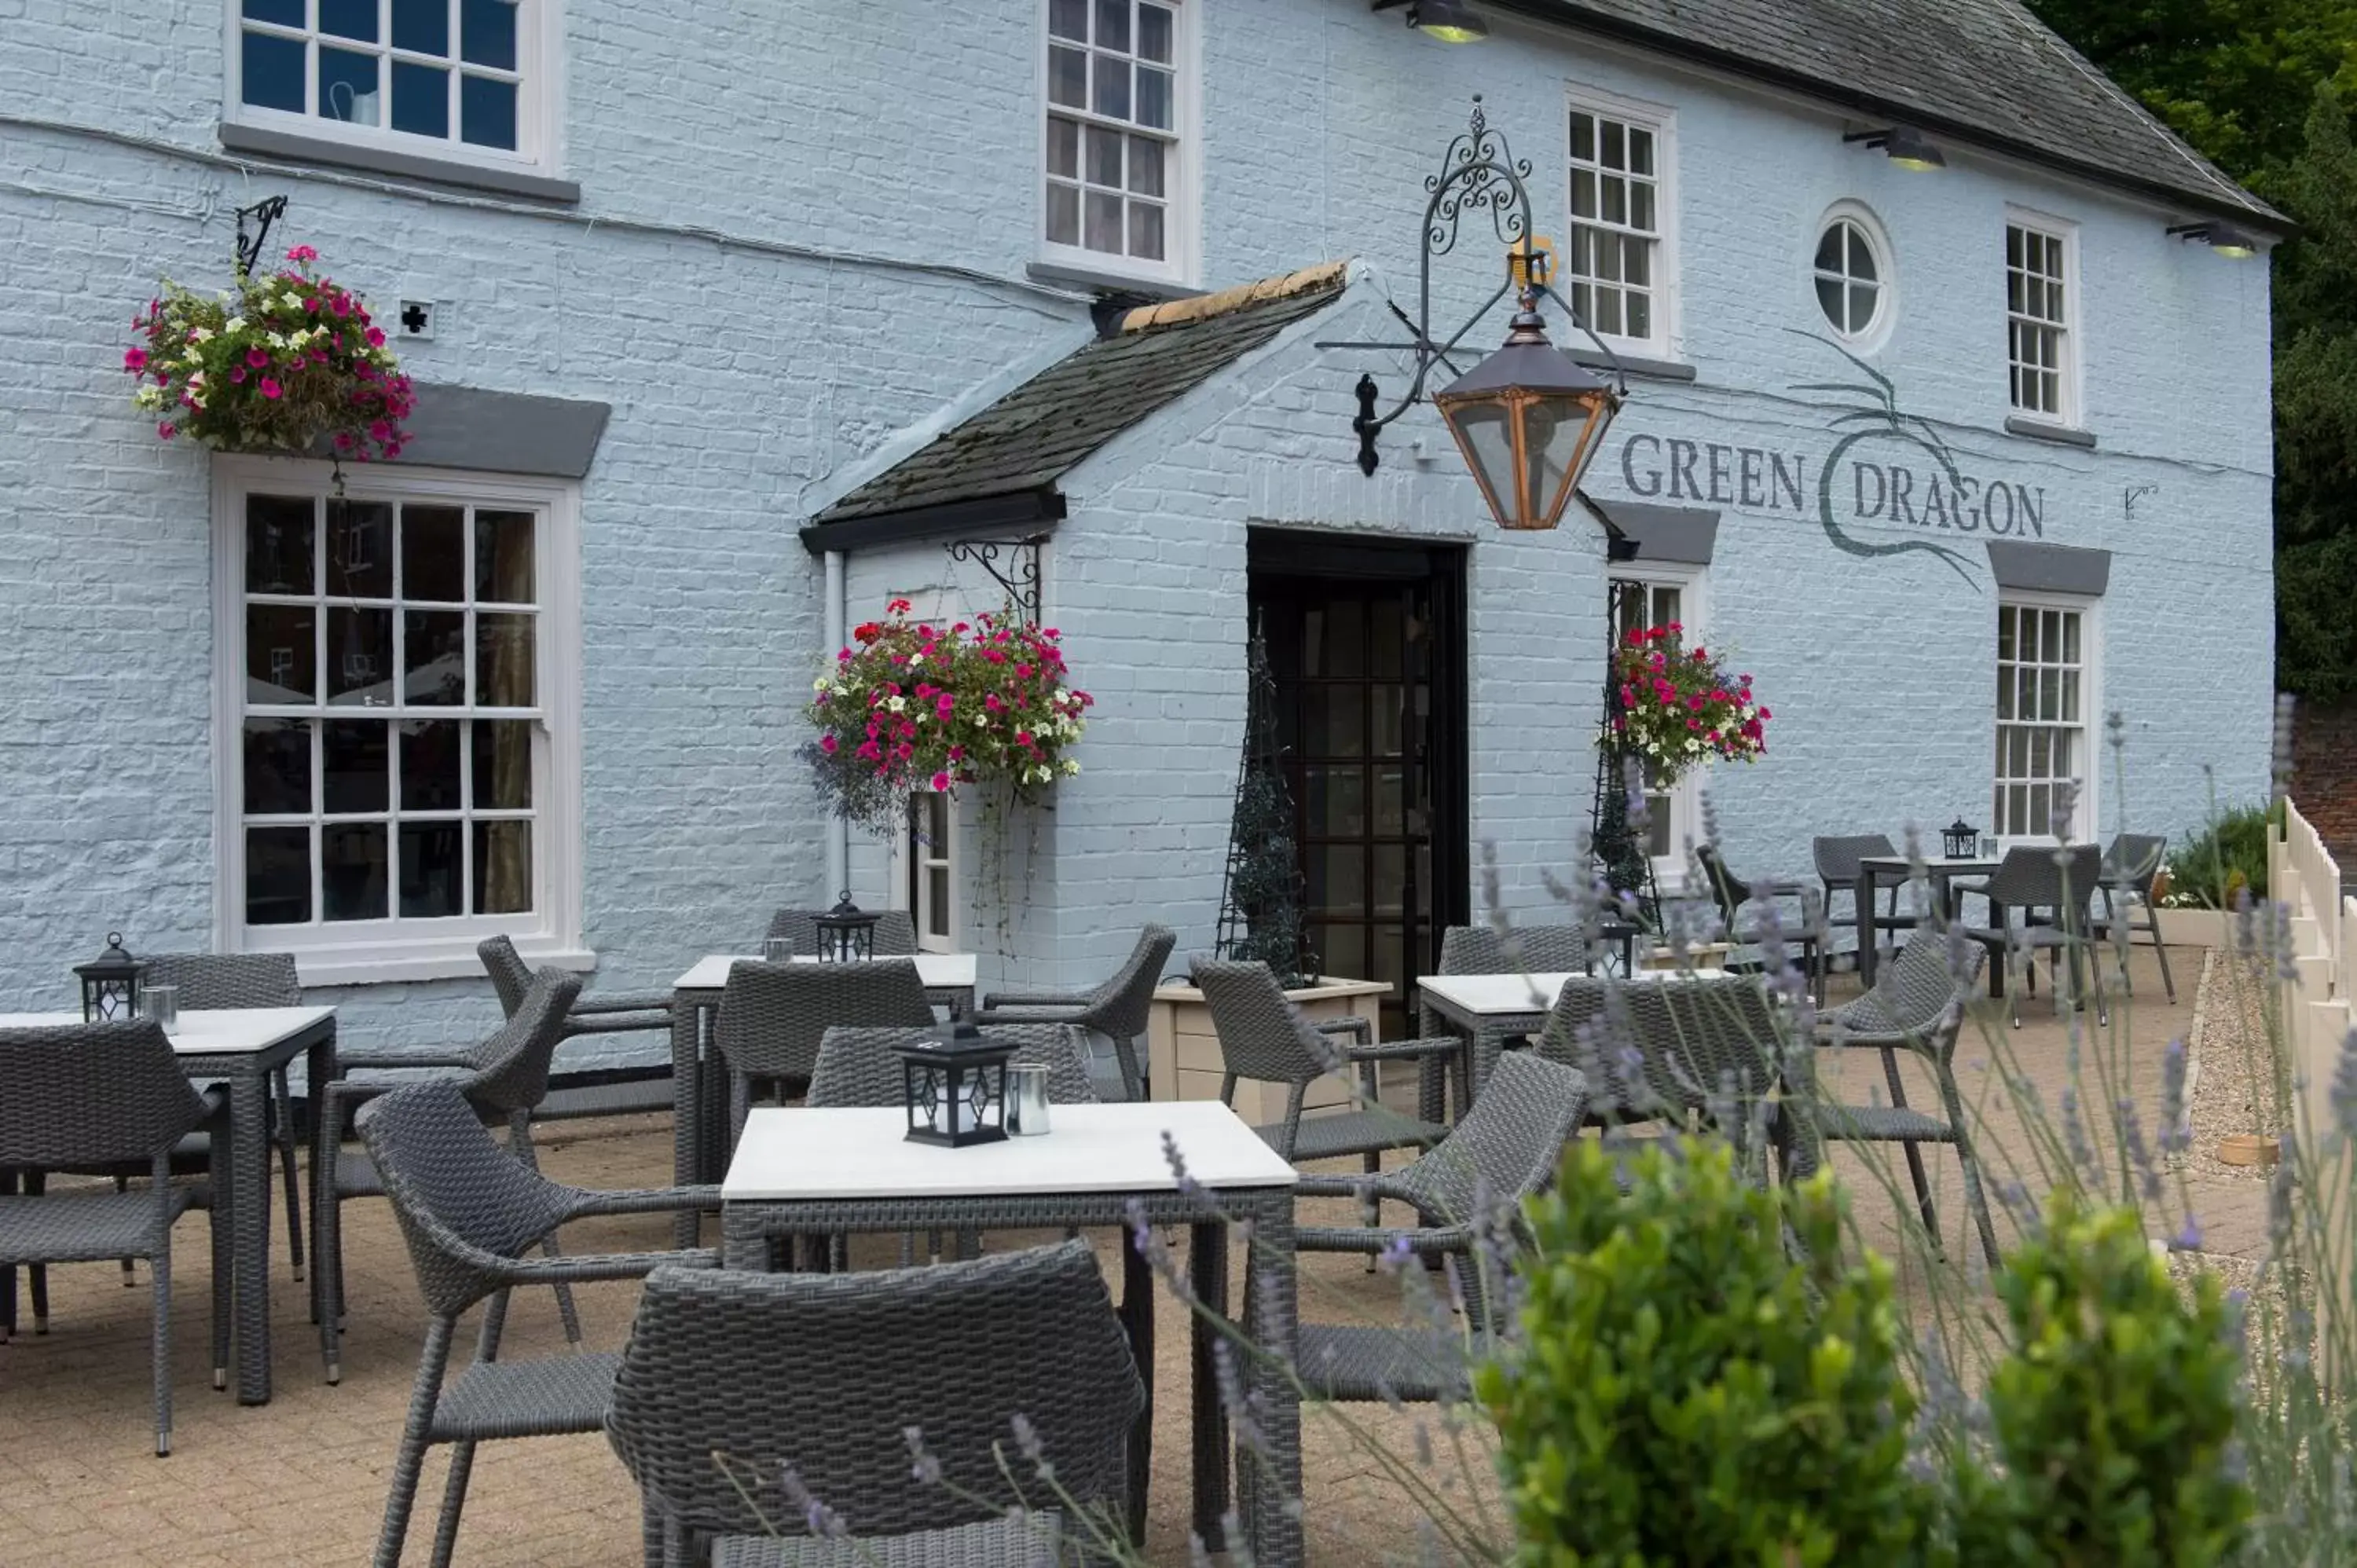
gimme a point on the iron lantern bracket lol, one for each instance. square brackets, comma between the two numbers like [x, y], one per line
[262, 214]
[1013, 565]
[1478, 172]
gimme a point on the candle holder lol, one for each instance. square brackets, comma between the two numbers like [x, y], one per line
[110, 984]
[953, 1086]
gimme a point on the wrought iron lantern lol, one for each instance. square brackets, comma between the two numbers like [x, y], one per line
[953, 1085]
[846, 933]
[110, 984]
[1959, 839]
[1529, 419]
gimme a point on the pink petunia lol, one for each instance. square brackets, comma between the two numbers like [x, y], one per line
[134, 359]
[302, 253]
[167, 429]
[941, 781]
[270, 389]
[827, 743]
[258, 357]
[237, 373]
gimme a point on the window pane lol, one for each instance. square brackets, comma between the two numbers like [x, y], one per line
[433, 554]
[278, 876]
[503, 546]
[1155, 32]
[1640, 208]
[270, 72]
[487, 33]
[360, 657]
[1829, 300]
[1583, 194]
[1641, 151]
[1064, 148]
[1103, 223]
[1067, 78]
[420, 100]
[1104, 157]
[429, 765]
[285, 13]
[1861, 305]
[1616, 200]
[349, 20]
[1146, 230]
[1861, 255]
[277, 766]
[352, 871]
[502, 867]
[433, 656]
[355, 766]
[1154, 98]
[1144, 166]
[278, 558]
[502, 765]
[279, 653]
[937, 901]
[431, 885]
[1068, 19]
[1113, 25]
[422, 25]
[1614, 155]
[1063, 215]
[1111, 79]
[504, 672]
[487, 113]
[1583, 137]
[348, 86]
[1637, 260]
[359, 550]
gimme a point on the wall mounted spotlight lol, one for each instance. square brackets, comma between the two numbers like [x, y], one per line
[1903, 145]
[1450, 21]
[2223, 238]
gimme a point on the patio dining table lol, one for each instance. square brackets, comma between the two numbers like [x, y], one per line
[1487, 1011]
[242, 1046]
[1883, 870]
[800, 1173]
[699, 1083]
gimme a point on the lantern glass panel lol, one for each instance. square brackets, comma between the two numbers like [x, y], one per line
[1485, 433]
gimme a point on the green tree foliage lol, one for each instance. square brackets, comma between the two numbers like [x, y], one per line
[2112, 1417]
[1685, 1393]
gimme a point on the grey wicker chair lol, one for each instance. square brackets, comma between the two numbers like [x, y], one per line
[469, 1210]
[2045, 895]
[611, 1013]
[1540, 949]
[895, 935]
[2124, 885]
[1836, 858]
[1707, 1047]
[859, 1066]
[1117, 1008]
[1505, 1149]
[96, 1096]
[1753, 920]
[506, 1078]
[773, 1015]
[750, 1375]
[1917, 1004]
[1263, 1037]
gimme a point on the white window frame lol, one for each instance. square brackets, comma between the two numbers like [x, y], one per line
[1182, 207]
[539, 95]
[910, 864]
[1668, 336]
[1877, 244]
[2071, 327]
[393, 950]
[2087, 806]
[1693, 583]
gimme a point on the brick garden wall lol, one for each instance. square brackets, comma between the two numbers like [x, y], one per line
[2324, 773]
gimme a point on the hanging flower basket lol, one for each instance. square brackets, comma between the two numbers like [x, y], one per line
[912, 706]
[288, 358]
[1679, 707]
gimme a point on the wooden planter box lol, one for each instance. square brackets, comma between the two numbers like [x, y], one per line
[2194, 927]
[1183, 1050]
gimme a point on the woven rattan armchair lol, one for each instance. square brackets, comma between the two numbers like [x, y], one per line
[773, 1015]
[1836, 858]
[1675, 1047]
[469, 1210]
[2125, 885]
[1753, 919]
[1538, 949]
[895, 935]
[507, 1077]
[2045, 895]
[611, 1013]
[1263, 1037]
[1917, 1004]
[859, 1066]
[97, 1096]
[1117, 1008]
[750, 1375]
[1506, 1149]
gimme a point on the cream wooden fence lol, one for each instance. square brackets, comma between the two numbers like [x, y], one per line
[2303, 877]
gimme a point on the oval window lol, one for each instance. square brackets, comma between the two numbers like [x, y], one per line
[1850, 277]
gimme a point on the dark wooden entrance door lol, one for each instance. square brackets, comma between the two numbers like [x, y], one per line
[1367, 645]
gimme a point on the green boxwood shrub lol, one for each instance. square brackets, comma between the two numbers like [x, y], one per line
[2214, 863]
[1686, 1393]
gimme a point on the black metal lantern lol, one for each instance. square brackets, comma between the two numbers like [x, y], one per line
[846, 933]
[110, 984]
[1958, 840]
[1529, 419]
[953, 1085]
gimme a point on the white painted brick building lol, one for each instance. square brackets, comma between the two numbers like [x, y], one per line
[753, 258]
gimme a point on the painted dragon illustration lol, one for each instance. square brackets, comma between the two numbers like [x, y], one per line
[1878, 415]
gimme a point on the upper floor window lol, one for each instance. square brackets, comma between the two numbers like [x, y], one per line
[1852, 273]
[396, 684]
[1116, 139]
[2040, 339]
[463, 79]
[1620, 272]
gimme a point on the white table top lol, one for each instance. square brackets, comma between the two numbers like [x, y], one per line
[934, 969]
[206, 1032]
[1935, 863]
[793, 1151]
[1532, 992]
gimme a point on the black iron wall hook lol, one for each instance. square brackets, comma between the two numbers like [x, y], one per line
[1019, 576]
[261, 215]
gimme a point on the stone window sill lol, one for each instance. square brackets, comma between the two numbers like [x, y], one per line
[1088, 280]
[297, 148]
[393, 966]
[2039, 430]
[1634, 365]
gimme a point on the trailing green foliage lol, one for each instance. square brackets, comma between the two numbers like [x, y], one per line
[1688, 1393]
[2112, 1417]
[2218, 863]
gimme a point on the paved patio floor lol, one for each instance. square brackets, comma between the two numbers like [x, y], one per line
[302, 1481]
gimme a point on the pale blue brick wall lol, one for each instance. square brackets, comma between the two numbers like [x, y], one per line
[741, 381]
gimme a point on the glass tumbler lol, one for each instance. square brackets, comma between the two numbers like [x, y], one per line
[161, 1003]
[777, 950]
